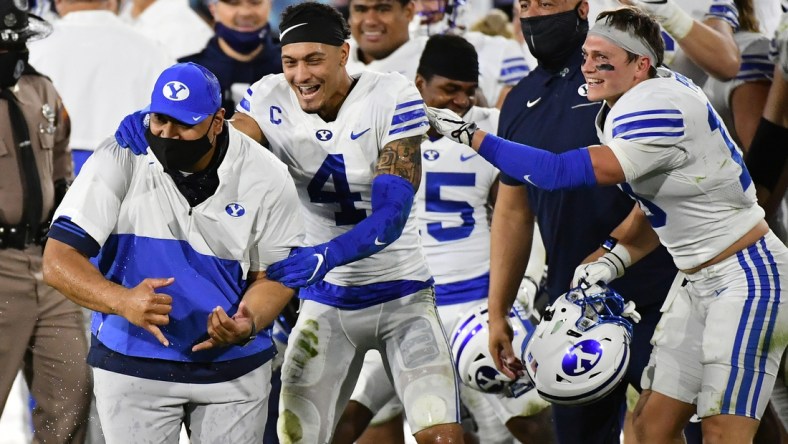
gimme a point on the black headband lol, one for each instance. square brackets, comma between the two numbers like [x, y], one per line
[311, 29]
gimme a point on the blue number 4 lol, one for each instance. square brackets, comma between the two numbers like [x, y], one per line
[334, 167]
[434, 203]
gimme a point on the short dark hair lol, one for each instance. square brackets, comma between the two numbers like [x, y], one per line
[635, 21]
[322, 11]
[401, 2]
[450, 56]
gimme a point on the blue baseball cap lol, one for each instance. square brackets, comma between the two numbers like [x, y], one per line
[187, 92]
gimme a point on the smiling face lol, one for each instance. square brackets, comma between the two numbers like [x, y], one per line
[316, 73]
[442, 92]
[379, 26]
[242, 15]
[608, 71]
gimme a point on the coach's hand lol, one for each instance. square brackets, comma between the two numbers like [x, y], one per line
[131, 133]
[147, 309]
[451, 125]
[305, 266]
[501, 336]
[224, 330]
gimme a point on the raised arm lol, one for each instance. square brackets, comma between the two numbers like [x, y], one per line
[582, 167]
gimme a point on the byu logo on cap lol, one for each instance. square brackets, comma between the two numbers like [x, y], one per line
[175, 91]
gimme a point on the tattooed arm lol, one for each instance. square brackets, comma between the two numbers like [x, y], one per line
[402, 157]
[397, 176]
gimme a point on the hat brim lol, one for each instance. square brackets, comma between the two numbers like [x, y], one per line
[185, 117]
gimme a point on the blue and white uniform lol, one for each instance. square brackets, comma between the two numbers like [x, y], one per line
[133, 210]
[755, 67]
[713, 347]
[452, 205]
[384, 301]
[404, 60]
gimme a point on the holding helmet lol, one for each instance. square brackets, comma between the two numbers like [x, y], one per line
[470, 349]
[580, 350]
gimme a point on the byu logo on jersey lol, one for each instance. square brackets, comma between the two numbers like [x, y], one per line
[324, 135]
[175, 91]
[582, 357]
[235, 209]
[583, 90]
[485, 378]
[431, 155]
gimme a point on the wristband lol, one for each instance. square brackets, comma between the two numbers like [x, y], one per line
[251, 336]
[619, 257]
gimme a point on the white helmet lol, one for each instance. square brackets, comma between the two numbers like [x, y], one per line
[580, 350]
[471, 352]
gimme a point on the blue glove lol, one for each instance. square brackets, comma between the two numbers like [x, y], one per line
[305, 266]
[131, 133]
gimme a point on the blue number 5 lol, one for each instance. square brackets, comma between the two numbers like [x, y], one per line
[334, 167]
[435, 204]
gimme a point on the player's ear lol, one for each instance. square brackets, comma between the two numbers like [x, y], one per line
[344, 53]
[582, 9]
[410, 9]
[644, 63]
[419, 81]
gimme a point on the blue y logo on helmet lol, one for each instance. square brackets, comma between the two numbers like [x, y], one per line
[235, 209]
[486, 379]
[582, 357]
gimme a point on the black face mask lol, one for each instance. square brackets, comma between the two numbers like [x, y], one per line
[553, 38]
[178, 154]
[12, 66]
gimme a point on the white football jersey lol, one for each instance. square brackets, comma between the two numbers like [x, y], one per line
[681, 166]
[755, 67]
[333, 163]
[452, 204]
[501, 63]
[404, 60]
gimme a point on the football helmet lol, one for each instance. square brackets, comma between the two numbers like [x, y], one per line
[580, 350]
[439, 17]
[470, 349]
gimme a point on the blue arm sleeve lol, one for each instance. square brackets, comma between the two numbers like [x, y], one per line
[392, 199]
[73, 235]
[546, 170]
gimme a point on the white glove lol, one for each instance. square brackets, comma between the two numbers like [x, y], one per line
[629, 312]
[670, 15]
[451, 125]
[527, 294]
[601, 270]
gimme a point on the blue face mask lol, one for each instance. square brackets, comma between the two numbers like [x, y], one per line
[243, 42]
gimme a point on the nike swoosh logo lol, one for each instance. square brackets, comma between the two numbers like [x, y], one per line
[531, 103]
[282, 35]
[464, 158]
[354, 136]
[377, 242]
[718, 292]
[195, 118]
[527, 178]
[317, 268]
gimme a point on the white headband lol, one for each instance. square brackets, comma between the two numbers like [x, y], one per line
[625, 40]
